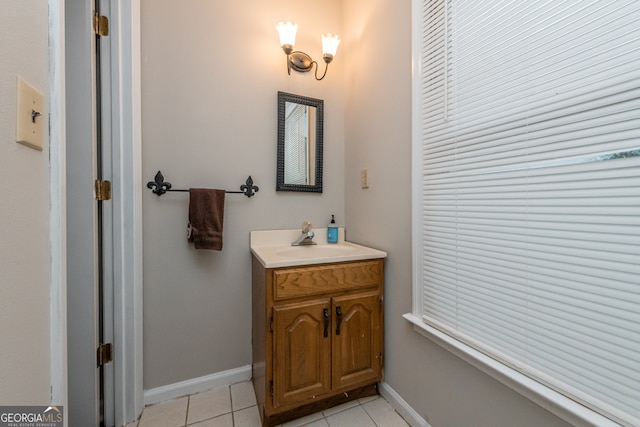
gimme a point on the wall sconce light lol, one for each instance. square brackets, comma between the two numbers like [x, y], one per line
[300, 61]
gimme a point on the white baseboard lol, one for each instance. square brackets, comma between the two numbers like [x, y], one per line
[401, 406]
[197, 385]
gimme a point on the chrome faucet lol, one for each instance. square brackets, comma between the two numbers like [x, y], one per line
[306, 236]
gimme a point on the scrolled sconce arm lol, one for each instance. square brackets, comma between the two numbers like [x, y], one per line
[303, 63]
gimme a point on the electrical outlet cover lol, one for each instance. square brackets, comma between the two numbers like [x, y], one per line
[29, 116]
[364, 178]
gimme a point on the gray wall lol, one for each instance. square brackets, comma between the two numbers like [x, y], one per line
[211, 71]
[442, 388]
[24, 213]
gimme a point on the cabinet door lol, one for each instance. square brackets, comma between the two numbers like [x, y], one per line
[357, 340]
[302, 351]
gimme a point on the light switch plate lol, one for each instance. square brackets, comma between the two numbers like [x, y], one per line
[29, 116]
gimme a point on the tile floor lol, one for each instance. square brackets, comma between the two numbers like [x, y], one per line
[235, 406]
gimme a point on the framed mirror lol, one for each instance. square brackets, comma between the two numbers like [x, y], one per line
[300, 121]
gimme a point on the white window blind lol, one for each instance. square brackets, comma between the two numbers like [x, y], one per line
[296, 157]
[529, 195]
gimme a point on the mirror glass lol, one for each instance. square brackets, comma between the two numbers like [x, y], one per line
[300, 120]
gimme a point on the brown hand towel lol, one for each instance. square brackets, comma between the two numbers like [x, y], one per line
[206, 216]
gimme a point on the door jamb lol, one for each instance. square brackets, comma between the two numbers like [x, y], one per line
[127, 208]
[57, 215]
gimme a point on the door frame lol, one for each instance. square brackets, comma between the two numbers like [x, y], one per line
[127, 207]
[57, 217]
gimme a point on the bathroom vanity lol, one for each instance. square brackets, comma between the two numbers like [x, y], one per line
[317, 326]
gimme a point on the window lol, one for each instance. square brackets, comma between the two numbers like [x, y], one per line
[296, 158]
[527, 190]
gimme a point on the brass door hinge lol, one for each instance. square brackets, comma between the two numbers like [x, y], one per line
[100, 24]
[105, 353]
[271, 324]
[103, 190]
[271, 388]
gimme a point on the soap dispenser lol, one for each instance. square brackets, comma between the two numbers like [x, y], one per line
[332, 231]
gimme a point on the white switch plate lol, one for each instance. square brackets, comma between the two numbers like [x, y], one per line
[30, 102]
[364, 178]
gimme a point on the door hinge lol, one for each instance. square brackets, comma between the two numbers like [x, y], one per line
[381, 361]
[271, 388]
[103, 189]
[271, 324]
[100, 24]
[105, 353]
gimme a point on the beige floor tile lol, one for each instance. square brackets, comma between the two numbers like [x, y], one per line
[172, 413]
[248, 417]
[242, 395]
[209, 404]
[304, 420]
[354, 417]
[214, 409]
[368, 399]
[383, 414]
[340, 408]
[225, 420]
[322, 422]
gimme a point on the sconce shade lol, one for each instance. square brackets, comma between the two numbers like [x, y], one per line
[287, 31]
[330, 44]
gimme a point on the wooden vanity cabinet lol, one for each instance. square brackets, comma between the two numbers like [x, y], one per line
[317, 336]
[302, 352]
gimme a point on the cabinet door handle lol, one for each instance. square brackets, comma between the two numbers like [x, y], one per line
[325, 314]
[339, 317]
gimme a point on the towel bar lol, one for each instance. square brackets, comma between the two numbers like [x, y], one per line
[159, 186]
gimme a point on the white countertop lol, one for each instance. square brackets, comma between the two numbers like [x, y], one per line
[273, 249]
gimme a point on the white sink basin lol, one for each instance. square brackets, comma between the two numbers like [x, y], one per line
[273, 249]
[315, 251]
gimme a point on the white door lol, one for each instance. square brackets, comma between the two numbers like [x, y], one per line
[89, 272]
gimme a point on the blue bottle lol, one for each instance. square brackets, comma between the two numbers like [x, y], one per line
[332, 231]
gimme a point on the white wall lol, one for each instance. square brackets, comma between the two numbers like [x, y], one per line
[443, 389]
[24, 213]
[211, 71]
